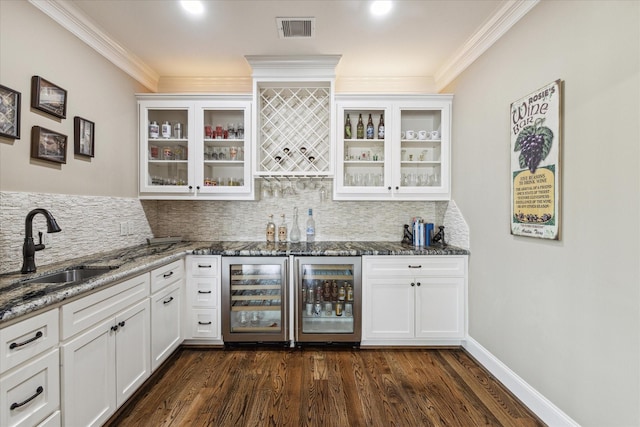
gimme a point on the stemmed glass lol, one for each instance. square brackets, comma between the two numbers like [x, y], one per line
[323, 191]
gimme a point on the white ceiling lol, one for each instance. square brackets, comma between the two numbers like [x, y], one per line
[155, 39]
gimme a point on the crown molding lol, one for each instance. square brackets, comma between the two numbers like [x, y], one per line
[406, 84]
[505, 18]
[290, 65]
[77, 23]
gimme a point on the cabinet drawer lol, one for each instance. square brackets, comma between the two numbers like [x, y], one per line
[24, 340]
[87, 311]
[166, 275]
[203, 266]
[33, 392]
[410, 266]
[203, 292]
[204, 323]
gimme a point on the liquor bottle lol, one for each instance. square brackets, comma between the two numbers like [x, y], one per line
[342, 293]
[271, 230]
[294, 236]
[347, 128]
[349, 292]
[311, 227]
[381, 127]
[282, 231]
[360, 128]
[370, 128]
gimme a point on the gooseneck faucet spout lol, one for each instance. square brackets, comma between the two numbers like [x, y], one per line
[29, 248]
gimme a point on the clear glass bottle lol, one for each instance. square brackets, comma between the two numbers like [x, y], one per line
[282, 230]
[271, 230]
[311, 227]
[294, 235]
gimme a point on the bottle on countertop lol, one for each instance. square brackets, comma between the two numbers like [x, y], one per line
[370, 128]
[294, 235]
[360, 128]
[347, 128]
[381, 127]
[311, 227]
[271, 230]
[282, 230]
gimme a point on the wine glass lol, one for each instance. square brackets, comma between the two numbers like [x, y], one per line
[322, 191]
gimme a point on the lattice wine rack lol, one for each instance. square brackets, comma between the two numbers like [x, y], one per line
[294, 131]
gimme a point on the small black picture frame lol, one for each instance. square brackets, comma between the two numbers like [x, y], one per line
[84, 137]
[48, 97]
[9, 113]
[48, 145]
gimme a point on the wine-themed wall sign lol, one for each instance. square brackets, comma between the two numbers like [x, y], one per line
[536, 124]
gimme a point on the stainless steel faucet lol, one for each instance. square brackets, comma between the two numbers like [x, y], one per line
[29, 248]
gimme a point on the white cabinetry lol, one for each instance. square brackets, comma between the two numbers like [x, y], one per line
[207, 158]
[202, 313]
[414, 300]
[29, 372]
[412, 160]
[166, 290]
[105, 355]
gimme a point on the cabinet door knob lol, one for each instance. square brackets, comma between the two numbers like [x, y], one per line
[389, 188]
[418, 283]
[413, 284]
[15, 405]
[191, 187]
[20, 344]
[114, 328]
[397, 188]
[197, 187]
[121, 324]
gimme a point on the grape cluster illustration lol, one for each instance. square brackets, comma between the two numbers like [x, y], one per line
[534, 144]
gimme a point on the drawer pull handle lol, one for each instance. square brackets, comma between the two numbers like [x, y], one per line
[15, 405]
[204, 292]
[121, 324]
[169, 274]
[168, 301]
[16, 345]
[204, 265]
[415, 266]
[114, 328]
[204, 323]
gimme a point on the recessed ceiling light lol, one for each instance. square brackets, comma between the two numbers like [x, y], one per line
[380, 7]
[194, 7]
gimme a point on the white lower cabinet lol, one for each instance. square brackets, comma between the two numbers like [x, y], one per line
[104, 364]
[202, 307]
[31, 393]
[413, 300]
[166, 335]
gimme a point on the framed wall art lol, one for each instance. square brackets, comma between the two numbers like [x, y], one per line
[536, 131]
[9, 113]
[48, 145]
[84, 137]
[49, 98]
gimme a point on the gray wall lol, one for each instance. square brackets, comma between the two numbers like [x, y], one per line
[564, 315]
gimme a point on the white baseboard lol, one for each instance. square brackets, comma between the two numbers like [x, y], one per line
[540, 405]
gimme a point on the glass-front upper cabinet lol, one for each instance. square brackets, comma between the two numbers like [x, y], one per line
[195, 147]
[224, 157]
[166, 142]
[404, 156]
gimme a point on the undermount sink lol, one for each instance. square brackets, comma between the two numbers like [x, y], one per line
[75, 274]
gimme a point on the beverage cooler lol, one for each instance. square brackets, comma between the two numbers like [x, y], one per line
[254, 299]
[328, 300]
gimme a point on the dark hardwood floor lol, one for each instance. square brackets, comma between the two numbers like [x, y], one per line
[323, 387]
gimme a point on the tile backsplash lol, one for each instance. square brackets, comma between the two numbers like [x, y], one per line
[92, 224]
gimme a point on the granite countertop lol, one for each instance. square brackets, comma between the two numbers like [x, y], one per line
[18, 299]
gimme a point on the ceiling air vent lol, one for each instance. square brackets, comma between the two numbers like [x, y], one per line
[290, 28]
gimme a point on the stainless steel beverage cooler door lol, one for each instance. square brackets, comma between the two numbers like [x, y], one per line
[254, 299]
[328, 299]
